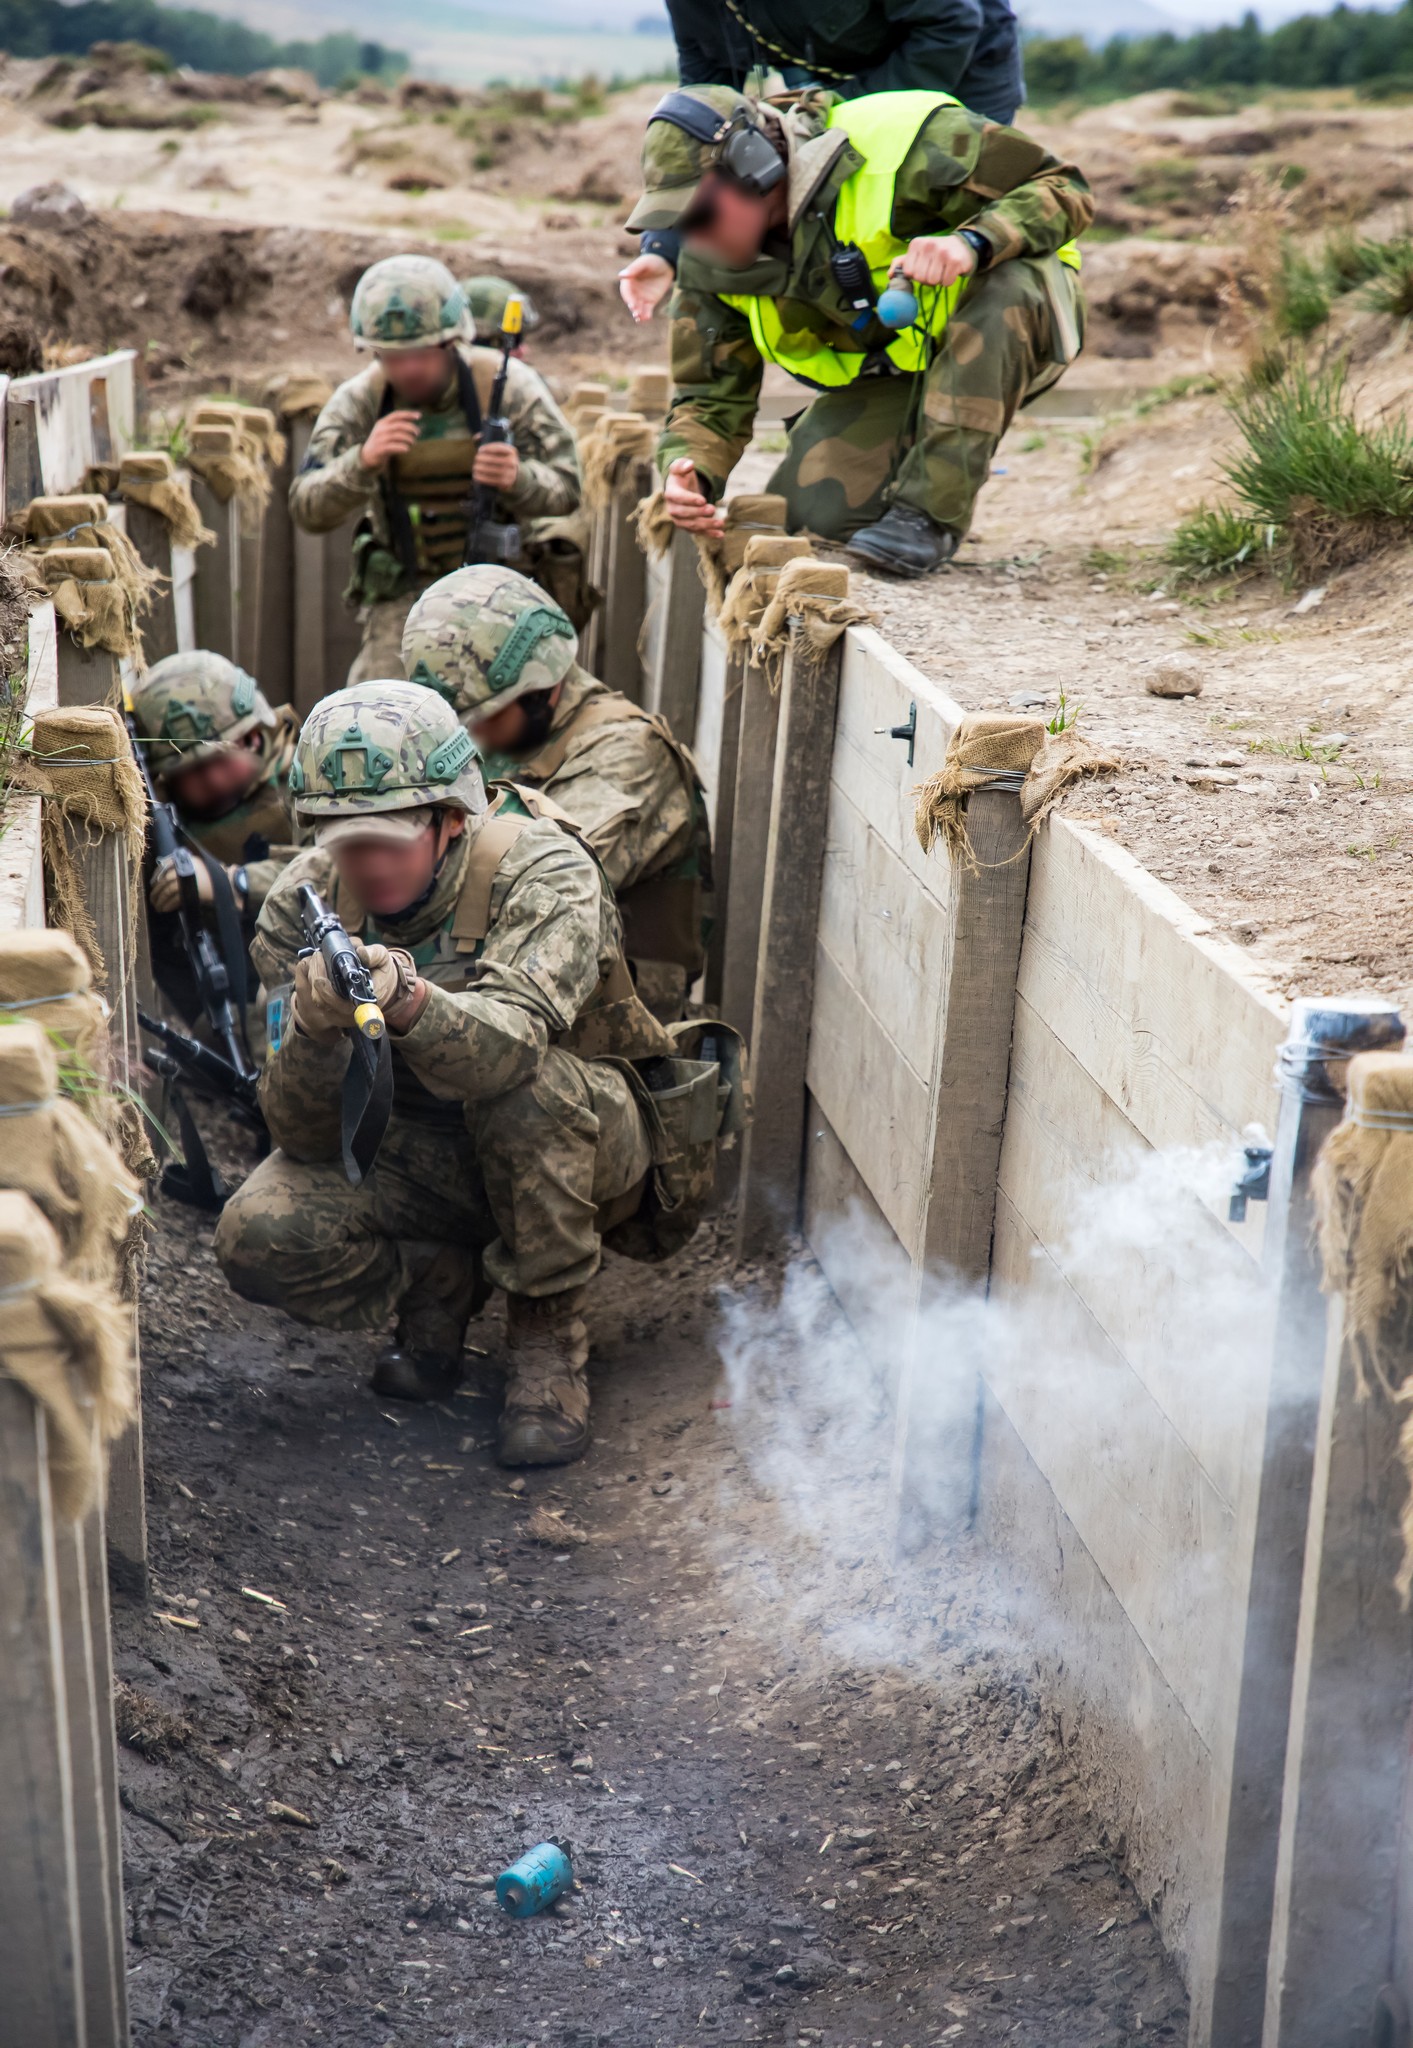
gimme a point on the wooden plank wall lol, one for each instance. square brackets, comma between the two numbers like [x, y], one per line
[1134, 1523]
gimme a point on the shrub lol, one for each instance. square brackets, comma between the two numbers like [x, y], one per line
[1302, 302]
[1335, 489]
[1350, 259]
[1390, 287]
[1215, 542]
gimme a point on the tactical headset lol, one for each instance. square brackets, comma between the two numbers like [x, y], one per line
[742, 151]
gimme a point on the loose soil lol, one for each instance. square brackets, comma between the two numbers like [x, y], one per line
[809, 1797]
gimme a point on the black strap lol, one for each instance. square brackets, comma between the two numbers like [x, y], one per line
[229, 933]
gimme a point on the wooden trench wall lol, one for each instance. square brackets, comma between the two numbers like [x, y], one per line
[1030, 1084]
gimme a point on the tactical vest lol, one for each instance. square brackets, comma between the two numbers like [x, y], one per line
[265, 817]
[612, 1024]
[883, 126]
[666, 916]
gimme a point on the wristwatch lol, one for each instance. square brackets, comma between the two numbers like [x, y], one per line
[978, 243]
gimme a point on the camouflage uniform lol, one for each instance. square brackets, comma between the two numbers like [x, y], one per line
[513, 1142]
[887, 437]
[623, 778]
[433, 481]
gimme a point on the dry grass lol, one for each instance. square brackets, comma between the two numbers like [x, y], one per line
[144, 1726]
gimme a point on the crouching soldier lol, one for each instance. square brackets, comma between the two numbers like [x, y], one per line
[537, 1107]
[222, 757]
[401, 446]
[492, 643]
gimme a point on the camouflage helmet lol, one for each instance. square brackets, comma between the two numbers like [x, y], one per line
[409, 302]
[674, 162]
[486, 296]
[379, 750]
[484, 636]
[190, 706]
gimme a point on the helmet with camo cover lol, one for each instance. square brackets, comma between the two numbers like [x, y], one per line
[675, 162]
[487, 298]
[484, 636]
[409, 302]
[379, 750]
[189, 706]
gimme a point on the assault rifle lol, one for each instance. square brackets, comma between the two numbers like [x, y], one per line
[367, 1081]
[219, 976]
[489, 539]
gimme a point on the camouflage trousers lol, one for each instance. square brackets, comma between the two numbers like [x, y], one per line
[380, 656]
[928, 441]
[527, 1190]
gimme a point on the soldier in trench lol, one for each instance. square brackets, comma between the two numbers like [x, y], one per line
[507, 659]
[539, 1110]
[400, 445]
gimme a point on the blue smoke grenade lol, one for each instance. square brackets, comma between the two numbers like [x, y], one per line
[542, 1875]
[897, 306]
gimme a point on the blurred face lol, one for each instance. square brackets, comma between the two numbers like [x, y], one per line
[386, 875]
[418, 376]
[210, 788]
[508, 730]
[729, 226]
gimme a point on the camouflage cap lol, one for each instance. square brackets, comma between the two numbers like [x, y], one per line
[190, 706]
[484, 636]
[486, 296]
[409, 302]
[674, 162]
[379, 747]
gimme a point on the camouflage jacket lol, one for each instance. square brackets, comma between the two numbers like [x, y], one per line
[554, 933]
[332, 482]
[621, 783]
[962, 171]
[262, 833]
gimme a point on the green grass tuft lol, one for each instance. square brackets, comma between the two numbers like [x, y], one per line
[1302, 300]
[1390, 288]
[1217, 542]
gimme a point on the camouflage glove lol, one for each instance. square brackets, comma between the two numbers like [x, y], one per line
[320, 1012]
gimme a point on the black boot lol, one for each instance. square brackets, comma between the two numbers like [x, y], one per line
[424, 1360]
[904, 542]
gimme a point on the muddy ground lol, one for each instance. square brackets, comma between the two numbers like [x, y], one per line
[809, 1798]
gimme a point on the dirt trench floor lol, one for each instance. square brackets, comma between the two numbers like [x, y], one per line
[808, 1799]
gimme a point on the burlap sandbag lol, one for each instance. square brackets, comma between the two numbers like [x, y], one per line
[149, 477]
[100, 584]
[253, 424]
[55, 1155]
[232, 465]
[80, 761]
[588, 393]
[298, 394]
[45, 979]
[604, 452]
[51, 518]
[650, 391]
[991, 747]
[69, 1343]
[812, 597]
[751, 588]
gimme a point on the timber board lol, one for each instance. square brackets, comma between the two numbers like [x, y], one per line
[875, 1101]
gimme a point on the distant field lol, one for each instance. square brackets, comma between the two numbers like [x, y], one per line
[535, 57]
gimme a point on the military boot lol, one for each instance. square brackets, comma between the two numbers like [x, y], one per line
[424, 1360]
[904, 542]
[545, 1419]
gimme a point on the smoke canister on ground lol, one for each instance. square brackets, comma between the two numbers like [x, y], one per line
[542, 1875]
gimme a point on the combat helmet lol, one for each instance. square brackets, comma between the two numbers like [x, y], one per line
[189, 706]
[485, 636]
[409, 302]
[379, 751]
[487, 296]
[690, 132]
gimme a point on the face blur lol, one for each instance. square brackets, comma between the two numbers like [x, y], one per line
[732, 224]
[506, 731]
[386, 875]
[418, 376]
[211, 787]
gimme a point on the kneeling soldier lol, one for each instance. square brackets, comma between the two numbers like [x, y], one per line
[521, 1128]
[492, 643]
[401, 445]
[222, 757]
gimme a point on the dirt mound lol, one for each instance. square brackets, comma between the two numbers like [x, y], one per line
[129, 85]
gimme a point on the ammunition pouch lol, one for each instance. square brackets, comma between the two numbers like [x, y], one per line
[691, 1106]
[375, 573]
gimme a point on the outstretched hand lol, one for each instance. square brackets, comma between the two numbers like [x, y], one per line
[686, 503]
[644, 284]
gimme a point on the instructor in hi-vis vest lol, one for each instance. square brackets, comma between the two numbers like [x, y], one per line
[912, 263]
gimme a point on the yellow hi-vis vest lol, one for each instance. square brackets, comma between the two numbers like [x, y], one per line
[883, 127]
